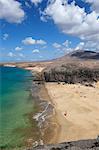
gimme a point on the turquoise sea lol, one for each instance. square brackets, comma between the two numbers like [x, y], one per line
[16, 103]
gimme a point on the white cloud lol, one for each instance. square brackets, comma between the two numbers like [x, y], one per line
[28, 41]
[72, 19]
[80, 46]
[42, 42]
[94, 4]
[21, 55]
[18, 48]
[66, 43]
[27, 4]
[64, 47]
[11, 11]
[36, 2]
[88, 45]
[5, 36]
[57, 45]
[31, 41]
[67, 50]
[10, 54]
[91, 45]
[35, 51]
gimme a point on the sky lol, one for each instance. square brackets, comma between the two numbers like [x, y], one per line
[33, 30]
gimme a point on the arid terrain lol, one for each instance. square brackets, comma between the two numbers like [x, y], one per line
[72, 83]
[81, 58]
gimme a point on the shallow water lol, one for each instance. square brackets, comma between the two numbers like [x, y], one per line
[15, 102]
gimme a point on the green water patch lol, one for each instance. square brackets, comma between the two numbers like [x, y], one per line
[17, 108]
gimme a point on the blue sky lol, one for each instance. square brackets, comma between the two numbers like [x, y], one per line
[34, 30]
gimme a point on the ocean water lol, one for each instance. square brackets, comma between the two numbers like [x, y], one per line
[16, 104]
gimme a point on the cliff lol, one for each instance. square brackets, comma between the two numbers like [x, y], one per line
[71, 73]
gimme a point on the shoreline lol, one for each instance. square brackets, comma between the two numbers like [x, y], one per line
[27, 128]
[52, 120]
[62, 128]
[46, 117]
[60, 121]
[50, 127]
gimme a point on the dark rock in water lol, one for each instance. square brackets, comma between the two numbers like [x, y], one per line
[92, 144]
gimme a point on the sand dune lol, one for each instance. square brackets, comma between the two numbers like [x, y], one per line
[77, 109]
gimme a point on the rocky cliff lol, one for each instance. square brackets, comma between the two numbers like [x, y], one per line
[71, 73]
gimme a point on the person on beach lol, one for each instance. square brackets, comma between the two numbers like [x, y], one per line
[65, 114]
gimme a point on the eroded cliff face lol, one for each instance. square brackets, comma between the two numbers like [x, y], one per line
[71, 73]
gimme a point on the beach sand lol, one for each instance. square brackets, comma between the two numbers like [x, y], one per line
[37, 69]
[77, 109]
[50, 130]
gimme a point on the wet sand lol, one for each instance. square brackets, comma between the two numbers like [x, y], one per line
[77, 109]
[51, 125]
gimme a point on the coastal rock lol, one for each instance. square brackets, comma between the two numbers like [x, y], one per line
[71, 73]
[91, 144]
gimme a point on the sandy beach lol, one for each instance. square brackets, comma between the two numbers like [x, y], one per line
[35, 69]
[77, 109]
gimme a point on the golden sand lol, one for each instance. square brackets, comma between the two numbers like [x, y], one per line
[77, 108]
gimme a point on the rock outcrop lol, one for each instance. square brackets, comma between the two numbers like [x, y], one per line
[92, 144]
[71, 73]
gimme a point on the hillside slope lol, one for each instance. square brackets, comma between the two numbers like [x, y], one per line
[71, 69]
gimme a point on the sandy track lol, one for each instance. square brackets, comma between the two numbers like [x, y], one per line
[81, 106]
